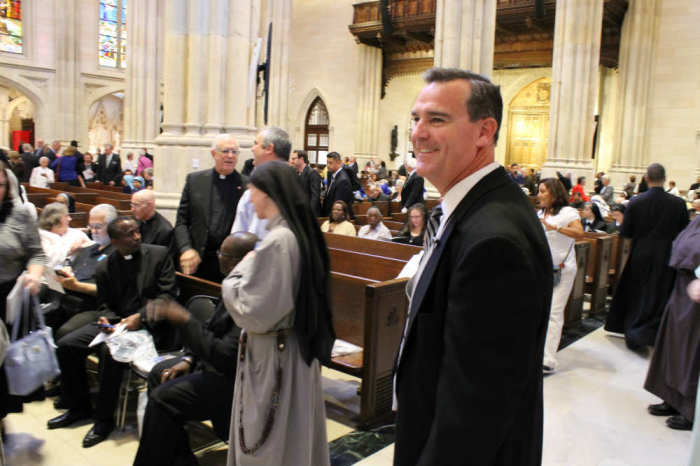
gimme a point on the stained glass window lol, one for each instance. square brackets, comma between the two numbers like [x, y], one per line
[11, 26]
[317, 132]
[112, 37]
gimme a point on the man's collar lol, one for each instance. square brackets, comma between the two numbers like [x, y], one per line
[460, 190]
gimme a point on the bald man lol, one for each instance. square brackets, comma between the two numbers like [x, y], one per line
[155, 229]
[199, 385]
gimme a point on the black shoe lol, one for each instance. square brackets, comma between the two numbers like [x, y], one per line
[679, 423]
[661, 409]
[68, 418]
[58, 403]
[95, 436]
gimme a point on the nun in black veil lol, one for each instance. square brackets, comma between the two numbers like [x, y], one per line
[279, 295]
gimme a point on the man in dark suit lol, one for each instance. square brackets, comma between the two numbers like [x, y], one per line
[131, 276]
[339, 185]
[109, 166]
[468, 376]
[207, 210]
[54, 149]
[412, 192]
[199, 385]
[652, 220]
[29, 159]
[154, 228]
[310, 179]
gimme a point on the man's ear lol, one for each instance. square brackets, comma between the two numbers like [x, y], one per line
[487, 128]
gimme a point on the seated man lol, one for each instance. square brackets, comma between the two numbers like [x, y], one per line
[154, 228]
[79, 304]
[375, 228]
[133, 274]
[198, 386]
[374, 193]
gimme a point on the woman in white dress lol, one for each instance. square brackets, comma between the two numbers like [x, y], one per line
[278, 413]
[42, 175]
[562, 226]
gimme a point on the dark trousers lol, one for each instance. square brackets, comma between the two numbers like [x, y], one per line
[74, 323]
[194, 397]
[71, 353]
[209, 268]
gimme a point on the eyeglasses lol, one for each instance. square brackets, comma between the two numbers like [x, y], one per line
[96, 226]
[230, 150]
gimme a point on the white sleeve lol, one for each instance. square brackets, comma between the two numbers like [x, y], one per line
[241, 222]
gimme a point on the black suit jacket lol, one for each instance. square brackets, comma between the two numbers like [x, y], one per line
[412, 191]
[340, 189]
[155, 279]
[192, 221]
[30, 163]
[109, 173]
[311, 183]
[469, 380]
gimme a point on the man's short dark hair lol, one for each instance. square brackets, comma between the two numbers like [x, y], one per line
[656, 173]
[334, 156]
[485, 100]
[279, 140]
[114, 228]
[618, 208]
[302, 155]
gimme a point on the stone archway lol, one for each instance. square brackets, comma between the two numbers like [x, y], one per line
[106, 122]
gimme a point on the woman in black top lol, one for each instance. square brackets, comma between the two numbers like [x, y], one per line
[414, 229]
[592, 220]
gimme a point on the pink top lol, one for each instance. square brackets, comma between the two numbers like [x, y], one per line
[144, 163]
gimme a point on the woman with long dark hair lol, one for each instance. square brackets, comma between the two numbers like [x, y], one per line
[592, 220]
[414, 229]
[562, 226]
[279, 295]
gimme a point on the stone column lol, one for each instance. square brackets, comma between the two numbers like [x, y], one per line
[637, 44]
[143, 72]
[208, 48]
[5, 117]
[279, 13]
[67, 73]
[465, 34]
[369, 84]
[575, 82]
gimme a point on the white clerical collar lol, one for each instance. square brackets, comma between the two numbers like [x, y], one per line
[460, 190]
[128, 257]
[222, 177]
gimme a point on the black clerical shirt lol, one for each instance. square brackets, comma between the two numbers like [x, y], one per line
[225, 193]
[156, 230]
[129, 301]
[85, 262]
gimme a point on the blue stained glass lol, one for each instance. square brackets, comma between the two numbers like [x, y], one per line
[108, 12]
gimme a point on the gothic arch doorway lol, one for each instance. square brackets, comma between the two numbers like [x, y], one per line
[316, 127]
[106, 122]
[528, 125]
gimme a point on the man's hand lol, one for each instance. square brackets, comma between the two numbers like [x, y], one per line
[111, 183]
[694, 290]
[189, 261]
[181, 368]
[133, 322]
[104, 325]
[68, 281]
[77, 244]
[166, 309]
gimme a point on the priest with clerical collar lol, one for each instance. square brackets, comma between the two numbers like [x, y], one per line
[154, 228]
[207, 210]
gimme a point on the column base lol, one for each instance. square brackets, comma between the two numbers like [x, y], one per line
[578, 168]
[620, 176]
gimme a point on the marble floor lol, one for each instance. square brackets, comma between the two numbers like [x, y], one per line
[595, 412]
[595, 415]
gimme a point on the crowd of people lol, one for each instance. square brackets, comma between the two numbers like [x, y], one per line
[253, 367]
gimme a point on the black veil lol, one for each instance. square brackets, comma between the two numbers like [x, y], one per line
[313, 322]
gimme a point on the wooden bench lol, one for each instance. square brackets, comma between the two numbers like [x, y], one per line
[598, 269]
[118, 194]
[371, 246]
[367, 312]
[574, 306]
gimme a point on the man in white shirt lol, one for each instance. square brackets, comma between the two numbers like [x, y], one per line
[270, 144]
[375, 228]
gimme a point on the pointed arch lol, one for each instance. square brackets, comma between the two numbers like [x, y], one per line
[316, 127]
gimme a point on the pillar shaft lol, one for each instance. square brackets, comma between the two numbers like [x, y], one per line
[369, 84]
[279, 14]
[575, 83]
[465, 35]
[67, 72]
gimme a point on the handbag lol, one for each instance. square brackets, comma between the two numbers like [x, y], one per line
[31, 360]
[556, 271]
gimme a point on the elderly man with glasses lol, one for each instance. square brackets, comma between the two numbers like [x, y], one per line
[207, 210]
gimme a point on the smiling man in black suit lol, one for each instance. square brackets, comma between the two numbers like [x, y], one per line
[468, 374]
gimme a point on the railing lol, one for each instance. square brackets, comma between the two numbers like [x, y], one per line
[409, 8]
[366, 12]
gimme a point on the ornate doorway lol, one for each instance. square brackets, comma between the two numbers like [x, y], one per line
[528, 125]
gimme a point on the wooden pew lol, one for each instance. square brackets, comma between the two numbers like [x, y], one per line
[618, 260]
[574, 306]
[98, 192]
[367, 312]
[370, 246]
[598, 269]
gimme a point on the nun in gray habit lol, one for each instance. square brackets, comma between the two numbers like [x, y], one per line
[279, 295]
